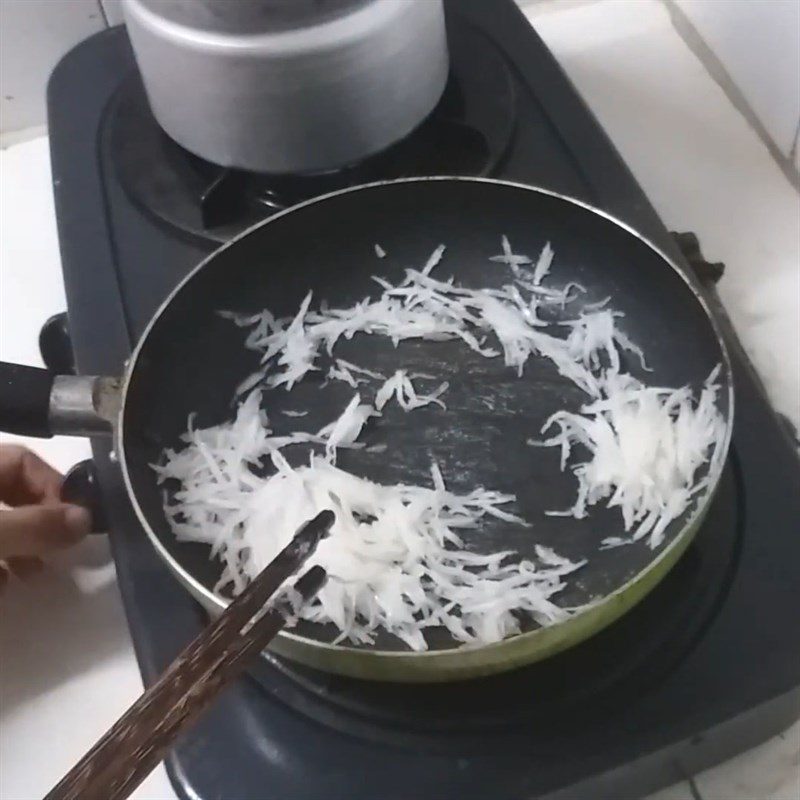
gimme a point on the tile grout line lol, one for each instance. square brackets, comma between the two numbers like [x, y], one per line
[796, 144]
[542, 7]
[716, 69]
[103, 14]
[695, 792]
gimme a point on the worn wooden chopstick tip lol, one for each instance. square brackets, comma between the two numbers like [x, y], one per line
[313, 532]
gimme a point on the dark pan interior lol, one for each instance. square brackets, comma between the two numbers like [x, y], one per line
[193, 360]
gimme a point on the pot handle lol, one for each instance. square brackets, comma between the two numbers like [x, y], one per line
[37, 402]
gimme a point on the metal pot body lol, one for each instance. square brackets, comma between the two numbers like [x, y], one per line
[278, 87]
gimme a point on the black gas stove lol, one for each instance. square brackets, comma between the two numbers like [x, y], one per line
[706, 666]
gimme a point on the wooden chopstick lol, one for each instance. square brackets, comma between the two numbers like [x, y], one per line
[133, 746]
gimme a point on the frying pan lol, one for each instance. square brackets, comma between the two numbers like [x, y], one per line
[189, 359]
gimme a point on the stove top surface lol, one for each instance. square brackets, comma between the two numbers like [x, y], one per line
[701, 669]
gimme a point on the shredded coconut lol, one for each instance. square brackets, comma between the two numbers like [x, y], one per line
[395, 558]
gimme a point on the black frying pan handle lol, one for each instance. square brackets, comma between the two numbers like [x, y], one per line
[25, 408]
[40, 402]
[25, 399]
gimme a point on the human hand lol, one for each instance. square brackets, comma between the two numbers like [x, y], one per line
[36, 521]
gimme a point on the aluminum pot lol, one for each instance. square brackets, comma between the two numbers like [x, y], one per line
[283, 86]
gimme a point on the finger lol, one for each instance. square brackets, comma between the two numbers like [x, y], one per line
[35, 530]
[24, 567]
[25, 478]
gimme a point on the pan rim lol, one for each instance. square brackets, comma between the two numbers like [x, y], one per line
[213, 601]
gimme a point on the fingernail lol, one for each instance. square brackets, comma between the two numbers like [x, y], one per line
[78, 520]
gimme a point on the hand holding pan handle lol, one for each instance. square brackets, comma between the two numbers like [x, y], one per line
[37, 402]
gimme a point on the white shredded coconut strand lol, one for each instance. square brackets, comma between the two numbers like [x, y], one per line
[342, 373]
[509, 257]
[344, 430]
[401, 387]
[434, 259]
[543, 264]
[360, 370]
